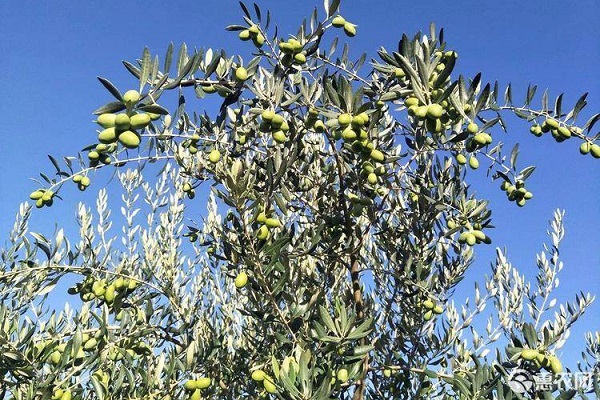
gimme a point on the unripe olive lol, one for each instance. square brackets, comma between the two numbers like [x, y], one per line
[300, 58]
[428, 315]
[372, 178]
[529, 354]
[109, 294]
[263, 232]
[106, 120]
[428, 304]
[349, 29]
[411, 101]
[139, 121]
[36, 195]
[258, 40]
[131, 96]
[66, 395]
[58, 393]
[595, 150]
[209, 89]
[349, 134]
[108, 135]
[196, 395]
[472, 128]
[421, 112]
[241, 280]
[473, 162]
[269, 385]
[387, 372]
[338, 21]
[190, 385]
[244, 35]
[585, 147]
[129, 139]
[434, 111]
[90, 344]
[272, 223]
[461, 159]
[55, 357]
[319, 126]
[564, 132]
[552, 123]
[377, 155]
[471, 239]
[438, 309]
[203, 383]
[555, 365]
[241, 74]
[258, 375]
[480, 139]
[344, 119]
[280, 137]
[342, 375]
[399, 73]
[267, 115]
[122, 122]
[214, 156]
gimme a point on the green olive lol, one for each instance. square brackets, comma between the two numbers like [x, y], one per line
[350, 29]
[241, 280]
[214, 156]
[338, 21]
[129, 139]
[241, 74]
[131, 96]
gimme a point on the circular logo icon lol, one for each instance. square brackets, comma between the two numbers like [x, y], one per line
[520, 381]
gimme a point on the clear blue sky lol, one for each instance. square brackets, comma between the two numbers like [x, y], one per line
[52, 52]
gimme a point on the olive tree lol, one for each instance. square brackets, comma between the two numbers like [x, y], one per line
[302, 241]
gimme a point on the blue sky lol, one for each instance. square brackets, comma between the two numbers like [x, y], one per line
[53, 51]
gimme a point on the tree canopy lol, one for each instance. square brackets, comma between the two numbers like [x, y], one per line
[339, 221]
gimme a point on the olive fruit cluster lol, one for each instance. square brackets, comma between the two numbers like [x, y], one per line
[253, 32]
[61, 394]
[60, 354]
[441, 66]
[516, 192]
[351, 128]
[539, 359]
[101, 153]
[461, 159]
[430, 308]
[189, 190]
[191, 144]
[82, 181]
[275, 124]
[122, 128]
[591, 148]
[42, 197]
[340, 22]
[313, 122]
[473, 237]
[267, 223]
[559, 132]
[131, 349]
[477, 139]
[471, 234]
[261, 376]
[434, 115]
[92, 288]
[292, 50]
